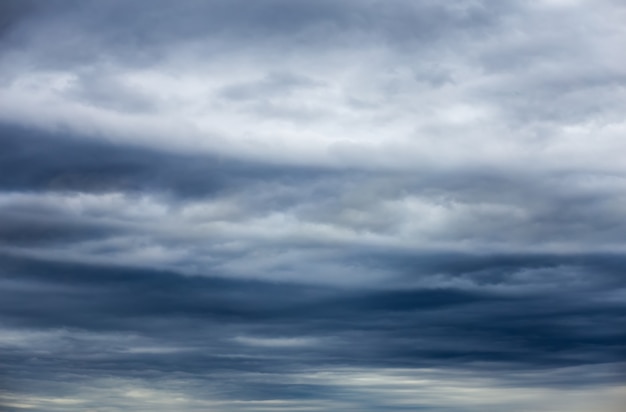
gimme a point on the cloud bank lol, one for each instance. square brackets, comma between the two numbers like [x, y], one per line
[312, 205]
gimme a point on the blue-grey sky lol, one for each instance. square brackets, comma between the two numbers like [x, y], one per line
[312, 205]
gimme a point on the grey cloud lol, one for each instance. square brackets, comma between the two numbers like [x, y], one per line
[161, 22]
[546, 328]
[311, 205]
[271, 84]
[14, 13]
[62, 161]
[190, 326]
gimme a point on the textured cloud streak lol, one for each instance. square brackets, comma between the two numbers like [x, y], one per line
[312, 205]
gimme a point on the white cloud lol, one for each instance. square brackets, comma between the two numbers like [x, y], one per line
[374, 106]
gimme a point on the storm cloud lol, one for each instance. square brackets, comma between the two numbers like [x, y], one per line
[312, 205]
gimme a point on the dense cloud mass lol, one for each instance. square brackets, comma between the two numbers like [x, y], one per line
[298, 205]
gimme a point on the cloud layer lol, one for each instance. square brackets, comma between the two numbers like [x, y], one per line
[298, 205]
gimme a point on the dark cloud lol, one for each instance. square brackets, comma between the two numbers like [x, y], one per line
[13, 12]
[289, 205]
[99, 321]
[524, 311]
[395, 326]
[121, 27]
[61, 161]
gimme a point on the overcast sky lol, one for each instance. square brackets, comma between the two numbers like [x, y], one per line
[312, 205]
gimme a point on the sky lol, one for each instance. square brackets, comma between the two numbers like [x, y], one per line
[312, 205]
